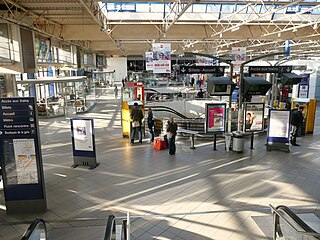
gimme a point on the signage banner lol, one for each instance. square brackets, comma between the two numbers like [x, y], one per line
[149, 61]
[239, 55]
[161, 57]
[218, 70]
[204, 61]
[279, 126]
[254, 117]
[270, 69]
[303, 91]
[215, 117]
[42, 48]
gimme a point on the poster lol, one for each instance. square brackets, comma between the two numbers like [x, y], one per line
[239, 55]
[42, 47]
[215, 117]
[254, 117]
[161, 57]
[149, 61]
[279, 124]
[82, 134]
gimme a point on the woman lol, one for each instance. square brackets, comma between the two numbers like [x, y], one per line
[171, 134]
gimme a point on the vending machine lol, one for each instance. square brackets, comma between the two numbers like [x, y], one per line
[309, 112]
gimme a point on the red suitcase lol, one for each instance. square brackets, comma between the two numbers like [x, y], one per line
[159, 144]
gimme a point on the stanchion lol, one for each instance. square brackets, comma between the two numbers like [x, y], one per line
[215, 142]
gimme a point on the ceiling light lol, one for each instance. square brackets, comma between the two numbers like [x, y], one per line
[235, 29]
[315, 26]
[279, 34]
[220, 35]
[294, 30]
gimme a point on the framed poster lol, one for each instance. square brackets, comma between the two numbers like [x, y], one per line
[254, 117]
[215, 117]
[83, 137]
[279, 126]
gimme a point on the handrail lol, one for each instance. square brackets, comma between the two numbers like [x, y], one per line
[307, 230]
[110, 229]
[31, 230]
[168, 109]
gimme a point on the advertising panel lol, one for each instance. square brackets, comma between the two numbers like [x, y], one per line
[239, 55]
[215, 117]
[149, 61]
[254, 117]
[42, 47]
[161, 57]
[82, 135]
[279, 124]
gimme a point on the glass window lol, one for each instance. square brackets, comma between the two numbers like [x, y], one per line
[199, 8]
[227, 8]
[213, 7]
[254, 9]
[240, 7]
[157, 8]
[142, 7]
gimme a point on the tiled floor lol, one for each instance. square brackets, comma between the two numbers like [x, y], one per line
[208, 194]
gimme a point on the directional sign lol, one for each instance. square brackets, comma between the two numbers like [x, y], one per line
[219, 71]
[270, 69]
[17, 118]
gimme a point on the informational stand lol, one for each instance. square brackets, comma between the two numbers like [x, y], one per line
[20, 155]
[83, 143]
[278, 130]
[254, 119]
[215, 120]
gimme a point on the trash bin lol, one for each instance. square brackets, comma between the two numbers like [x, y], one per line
[238, 142]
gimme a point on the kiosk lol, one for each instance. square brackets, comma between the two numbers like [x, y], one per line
[309, 113]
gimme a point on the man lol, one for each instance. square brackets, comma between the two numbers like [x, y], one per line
[136, 117]
[200, 93]
[296, 123]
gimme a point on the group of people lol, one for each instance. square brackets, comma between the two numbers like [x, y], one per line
[137, 118]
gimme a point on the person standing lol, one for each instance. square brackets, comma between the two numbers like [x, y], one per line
[171, 135]
[296, 123]
[151, 125]
[116, 90]
[136, 117]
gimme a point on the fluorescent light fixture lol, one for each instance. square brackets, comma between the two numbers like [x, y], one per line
[220, 35]
[279, 34]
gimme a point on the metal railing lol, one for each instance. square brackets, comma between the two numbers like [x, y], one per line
[36, 231]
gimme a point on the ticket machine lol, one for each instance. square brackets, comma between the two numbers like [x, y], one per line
[309, 112]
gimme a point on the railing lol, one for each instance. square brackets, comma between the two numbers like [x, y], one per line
[36, 231]
[112, 231]
[287, 225]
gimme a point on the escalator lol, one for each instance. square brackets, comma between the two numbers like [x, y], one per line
[36, 231]
[289, 226]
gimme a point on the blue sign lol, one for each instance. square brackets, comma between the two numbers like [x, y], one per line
[287, 47]
[20, 151]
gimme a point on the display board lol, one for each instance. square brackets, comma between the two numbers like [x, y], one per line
[254, 117]
[161, 57]
[215, 117]
[21, 154]
[279, 126]
[83, 143]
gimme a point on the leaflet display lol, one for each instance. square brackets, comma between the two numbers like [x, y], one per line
[254, 117]
[215, 117]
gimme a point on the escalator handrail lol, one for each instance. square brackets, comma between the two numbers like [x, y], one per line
[171, 110]
[307, 230]
[32, 227]
[110, 227]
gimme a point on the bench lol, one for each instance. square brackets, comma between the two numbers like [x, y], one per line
[190, 132]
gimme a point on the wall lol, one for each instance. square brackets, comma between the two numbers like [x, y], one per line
[120, 67]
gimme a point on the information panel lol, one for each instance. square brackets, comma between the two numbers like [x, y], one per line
[20, 155]
[215, 117]
[279, 126]
[254, 117]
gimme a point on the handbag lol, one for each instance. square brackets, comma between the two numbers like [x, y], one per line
[135, 124]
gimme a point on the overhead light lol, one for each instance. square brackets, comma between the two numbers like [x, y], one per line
[220, 35]
[294, 30]
[235, 29]
[279, 34]
[315, 26]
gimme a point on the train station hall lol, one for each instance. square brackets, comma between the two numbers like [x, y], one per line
[167, 120]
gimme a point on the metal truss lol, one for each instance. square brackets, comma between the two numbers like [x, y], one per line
[176, 11]
[19, 15]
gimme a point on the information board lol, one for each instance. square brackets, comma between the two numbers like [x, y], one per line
[20, 152]
[254, 117]
[279, 126]
[215, 117]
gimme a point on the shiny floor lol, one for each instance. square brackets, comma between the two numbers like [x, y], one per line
[205, 194]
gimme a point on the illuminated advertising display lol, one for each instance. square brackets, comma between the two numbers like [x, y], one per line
[215, 117]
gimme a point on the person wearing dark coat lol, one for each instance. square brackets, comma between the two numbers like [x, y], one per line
[136, 117]
[296, 123]
[171, 135]
[151, 125]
